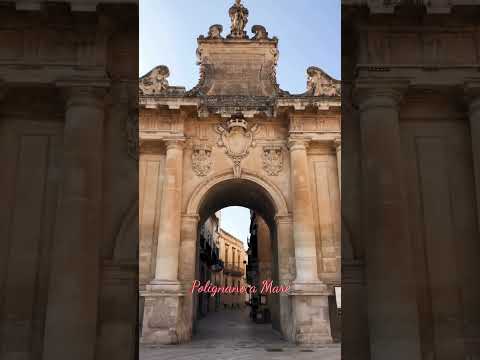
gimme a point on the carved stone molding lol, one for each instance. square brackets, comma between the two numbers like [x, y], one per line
[202, 160]
[272, 157]
[237, 136]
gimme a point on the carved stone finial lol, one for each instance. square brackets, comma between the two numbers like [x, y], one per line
[239, 18]
[260, 32]
[320, 83]
[155, 81]
[215, 31]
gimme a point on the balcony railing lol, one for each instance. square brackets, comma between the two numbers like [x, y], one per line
[233, 269]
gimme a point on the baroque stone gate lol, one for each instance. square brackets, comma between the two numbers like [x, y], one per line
[237, 138]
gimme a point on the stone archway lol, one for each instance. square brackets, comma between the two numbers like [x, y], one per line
[272, 193]
[253, 192]
[238, 135]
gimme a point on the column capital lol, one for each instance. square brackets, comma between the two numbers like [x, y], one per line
[337, 143]
[284, 219]
[298, 143]
[379, 93]
[174, 143]
[472, 93]
[83, 92]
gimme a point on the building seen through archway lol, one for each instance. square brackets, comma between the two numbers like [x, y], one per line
[221, 264]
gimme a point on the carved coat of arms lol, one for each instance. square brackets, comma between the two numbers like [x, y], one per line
[272, 157]
[201, 159]
[237, 137]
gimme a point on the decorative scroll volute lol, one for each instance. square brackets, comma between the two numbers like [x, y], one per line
[155, 82]
[319, 83]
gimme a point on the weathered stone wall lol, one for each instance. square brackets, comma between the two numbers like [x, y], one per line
[68, 251]
[410, 188]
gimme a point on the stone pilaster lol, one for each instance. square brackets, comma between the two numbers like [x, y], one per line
[186, 275]
[470, 263]
[473, 95]
[285, 258]
[392, 307]
[311, 320]
[71, 319]
[168, 245]
[303, 220]
[162, 295]
[337, 143]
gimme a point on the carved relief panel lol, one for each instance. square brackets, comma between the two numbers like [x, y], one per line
[202, 160]
[272, 157]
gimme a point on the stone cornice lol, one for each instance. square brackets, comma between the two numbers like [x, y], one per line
[83, 82]
[420, 75]
[52, 74]
[431, 7]
[250, 106]
[75, 5]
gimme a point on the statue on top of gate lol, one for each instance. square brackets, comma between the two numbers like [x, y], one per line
[239, 18]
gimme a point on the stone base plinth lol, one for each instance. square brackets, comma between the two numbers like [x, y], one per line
[311, 317]
[161, 309]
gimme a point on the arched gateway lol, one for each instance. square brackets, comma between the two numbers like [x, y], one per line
[238, 139]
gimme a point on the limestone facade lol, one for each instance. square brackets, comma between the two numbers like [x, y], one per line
[68, 226]
[410, 180]
[238, 139]
[233, 256]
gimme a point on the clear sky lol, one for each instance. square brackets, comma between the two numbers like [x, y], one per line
[308, 33]
[236, 221]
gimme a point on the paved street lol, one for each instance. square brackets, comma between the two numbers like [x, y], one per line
[230, 335]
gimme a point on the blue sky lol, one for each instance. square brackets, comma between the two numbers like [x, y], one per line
[308, 33]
